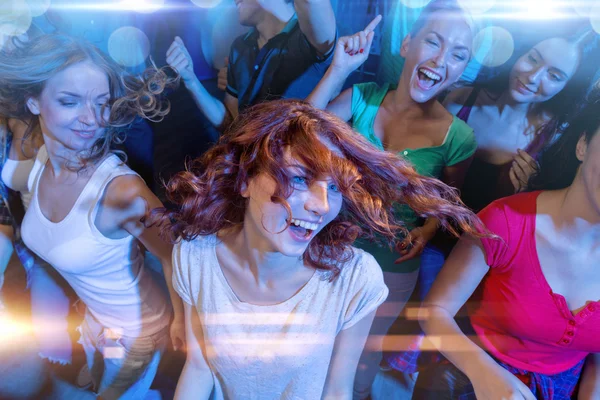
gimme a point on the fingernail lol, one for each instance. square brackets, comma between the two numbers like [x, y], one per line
[362, 51]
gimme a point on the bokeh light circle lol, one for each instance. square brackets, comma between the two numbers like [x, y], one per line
[415, 3]
[206, 3]
[476, 7]
[15, 17]
[595, 18]
[583, 7]
[38, 7]
[500, 43]
[128, 46]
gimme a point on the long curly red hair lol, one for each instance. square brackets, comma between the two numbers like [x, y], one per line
[207, 195]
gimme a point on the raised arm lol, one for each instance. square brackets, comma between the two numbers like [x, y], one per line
[317, 22]
[460, 276]
[350, 53]
[218, 113]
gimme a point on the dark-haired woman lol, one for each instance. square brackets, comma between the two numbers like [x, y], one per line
[536, 315]
[517, 114]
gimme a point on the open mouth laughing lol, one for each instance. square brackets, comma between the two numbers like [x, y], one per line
[302, 228]
[427, 78]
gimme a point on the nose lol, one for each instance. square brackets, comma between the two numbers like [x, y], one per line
[87, 115]
[440, 59]
[317, 201]
[535, 75]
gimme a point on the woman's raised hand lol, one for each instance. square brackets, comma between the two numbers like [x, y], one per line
[352, 51]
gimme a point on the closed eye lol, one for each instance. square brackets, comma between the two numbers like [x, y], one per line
[532, 59]
[555, 77]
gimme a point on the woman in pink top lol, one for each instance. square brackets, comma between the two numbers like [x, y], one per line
[537, 315]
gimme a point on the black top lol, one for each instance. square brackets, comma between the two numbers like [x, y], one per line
[287, 66]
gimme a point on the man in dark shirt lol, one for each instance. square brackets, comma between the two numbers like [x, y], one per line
[285, 54]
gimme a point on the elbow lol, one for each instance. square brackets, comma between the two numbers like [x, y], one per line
[428, 314]
[423, 316]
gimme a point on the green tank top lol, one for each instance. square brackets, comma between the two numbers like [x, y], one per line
[458, 145]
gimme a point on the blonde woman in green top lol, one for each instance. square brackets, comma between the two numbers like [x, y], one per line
[406, 118]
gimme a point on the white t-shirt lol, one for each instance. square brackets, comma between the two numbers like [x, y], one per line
[279, 351]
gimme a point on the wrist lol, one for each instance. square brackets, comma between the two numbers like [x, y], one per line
[178, 316]
[429, 231]
[337, 73]
[192, 83]
[479, 366]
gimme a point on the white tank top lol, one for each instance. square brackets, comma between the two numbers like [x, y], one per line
[107, 274]
[15, 174]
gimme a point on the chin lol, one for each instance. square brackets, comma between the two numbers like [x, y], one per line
[291, 249]
[519, 97]
[420, 97]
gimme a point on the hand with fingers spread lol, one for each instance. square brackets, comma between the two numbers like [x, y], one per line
[180, 60]
[352, 51]
[414, 243]
[222, 81]
[522, 168]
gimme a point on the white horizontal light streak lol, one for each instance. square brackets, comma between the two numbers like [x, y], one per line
[258, 319]
[125, 5]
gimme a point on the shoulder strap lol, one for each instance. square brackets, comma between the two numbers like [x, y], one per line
[111, 168]
[465, 111]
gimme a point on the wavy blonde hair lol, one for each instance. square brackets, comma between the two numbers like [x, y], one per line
[25, 71]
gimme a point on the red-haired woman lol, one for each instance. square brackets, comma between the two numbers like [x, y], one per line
[277, 301]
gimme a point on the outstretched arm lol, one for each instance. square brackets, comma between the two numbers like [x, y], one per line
[130, 200]
[317, 22]
[463, 271]
[217, 112]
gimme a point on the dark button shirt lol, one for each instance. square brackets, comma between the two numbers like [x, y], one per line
[287, 66]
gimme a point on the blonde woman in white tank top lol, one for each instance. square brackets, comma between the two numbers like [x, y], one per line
[51, 298]
[87, 207]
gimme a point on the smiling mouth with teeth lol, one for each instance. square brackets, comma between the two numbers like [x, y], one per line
[427, 78]
[304, 228]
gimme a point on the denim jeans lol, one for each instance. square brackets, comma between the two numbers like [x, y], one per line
[121, 367]
[432, 261]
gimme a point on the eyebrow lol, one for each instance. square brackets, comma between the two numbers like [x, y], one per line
[78, 96]
[441, 38]
[560, 71]
[298, 166]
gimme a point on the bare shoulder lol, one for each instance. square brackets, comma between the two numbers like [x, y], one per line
[28, 146]
[128, 194]
[457, 97]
